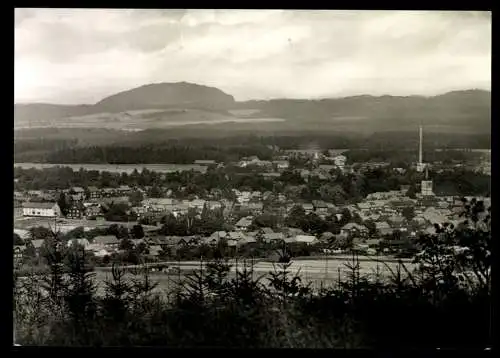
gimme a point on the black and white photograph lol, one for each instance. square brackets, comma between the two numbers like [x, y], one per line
[208, 178]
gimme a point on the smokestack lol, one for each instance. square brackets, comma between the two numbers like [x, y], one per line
[420, 147]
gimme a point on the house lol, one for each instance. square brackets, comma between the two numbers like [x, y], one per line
[247, 241]
[212, 205]
[273, 237]
[209, 241]
[106, 241]
[18, 251]
[320, 207]
[76, 211]
[383, 228]
[124, 189]
[244, 223]
[281, 164]
[41, 209]
[35, 193]
[308, 207]
[304, 173]
[326, 236]
[101, 253]
[94, 193]
[18, 209]
[307, 239]
[266, 230]
[234, 235]
[219, 235]
[108, 192]
[397, 222]
[354, 229]
[255, 208]
[205, 162]
[292, 231]
[82, 242]
[339, 161]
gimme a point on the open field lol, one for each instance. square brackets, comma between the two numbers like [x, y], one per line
[319, 273]
[118, 168]
[137, 120]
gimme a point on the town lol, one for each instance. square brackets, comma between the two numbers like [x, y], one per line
[306, 200]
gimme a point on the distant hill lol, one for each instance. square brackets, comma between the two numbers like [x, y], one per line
[458, 108]
[164, 95]
[167, 105]
[153, 96]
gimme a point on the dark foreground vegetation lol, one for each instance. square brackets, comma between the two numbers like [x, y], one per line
[444, 303]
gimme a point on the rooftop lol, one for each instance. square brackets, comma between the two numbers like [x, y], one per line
[32, 205]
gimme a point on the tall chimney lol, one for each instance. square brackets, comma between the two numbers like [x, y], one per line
[420, 147]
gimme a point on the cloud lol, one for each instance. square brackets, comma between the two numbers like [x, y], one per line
[82, 55]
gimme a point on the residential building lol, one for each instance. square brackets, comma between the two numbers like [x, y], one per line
[212, 205]
[93, 210]
[18, 208]
[247, 241]
[41, 209]
[265, 230]
[77, 193]
[82, 242]
[18, 251]
[218, 235]
[76, 211]
[94, 193]
[235, 235]
[383, 228]
[320, 207]
[106, 241]
[273, 237]
[281, 164]
[308, 207]
[339, 161]
[124, 189]
[108, 192]
[244, 223]
[307, 239]
[354, 229]
[255, 208]
[35, 193]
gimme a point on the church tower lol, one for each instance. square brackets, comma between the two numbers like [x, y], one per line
[426, 185]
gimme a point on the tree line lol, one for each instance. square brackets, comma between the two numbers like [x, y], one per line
[339, 188]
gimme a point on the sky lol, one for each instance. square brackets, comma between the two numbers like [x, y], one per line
[75, 56]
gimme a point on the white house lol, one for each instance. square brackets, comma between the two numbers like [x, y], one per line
[308, 239]
[41, 209]
[83, 242]
[339, 161]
